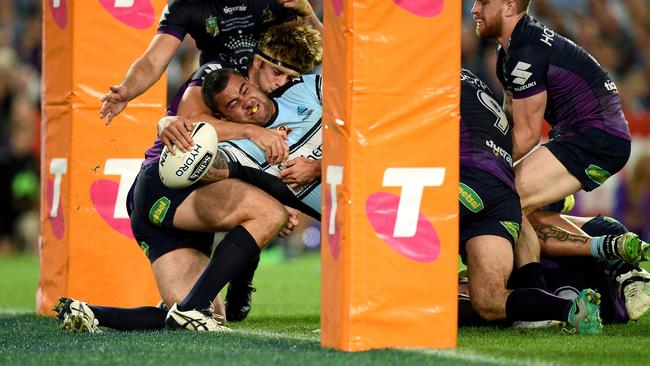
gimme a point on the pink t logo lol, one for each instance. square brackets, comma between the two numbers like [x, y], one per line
[134, 13]
[422, 8]
[59, 12]
[398, 221]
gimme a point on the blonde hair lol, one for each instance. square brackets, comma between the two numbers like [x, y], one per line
[294, 43]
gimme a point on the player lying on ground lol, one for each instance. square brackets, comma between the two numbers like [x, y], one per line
[625, 287]
[490, 217]
[547, 76]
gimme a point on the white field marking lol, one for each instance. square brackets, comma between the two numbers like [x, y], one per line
[469, 356]
[461, 355]
[16, 311]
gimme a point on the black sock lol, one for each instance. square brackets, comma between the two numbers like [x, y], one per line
[143, 318]
[232, 255]
[531, 304]
[530, 275]
[246, 275]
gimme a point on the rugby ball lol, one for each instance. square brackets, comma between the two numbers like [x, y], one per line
[180, 170]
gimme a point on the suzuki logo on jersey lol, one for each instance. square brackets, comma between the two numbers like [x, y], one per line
[520, 73]
[396, 219]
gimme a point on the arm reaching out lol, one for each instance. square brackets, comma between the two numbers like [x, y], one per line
[142, 74]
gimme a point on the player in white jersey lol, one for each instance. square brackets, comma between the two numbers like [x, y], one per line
[299, 114]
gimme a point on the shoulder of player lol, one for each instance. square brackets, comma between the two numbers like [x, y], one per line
[527, 33]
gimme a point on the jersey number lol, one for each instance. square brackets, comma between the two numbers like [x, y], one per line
[502, 121]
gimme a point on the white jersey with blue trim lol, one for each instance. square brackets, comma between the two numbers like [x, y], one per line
[299, 110]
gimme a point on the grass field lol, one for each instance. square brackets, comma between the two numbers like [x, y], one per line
[281, 331]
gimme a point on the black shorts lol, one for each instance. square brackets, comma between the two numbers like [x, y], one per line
[592, 156]
[151, 206]
[487, 207]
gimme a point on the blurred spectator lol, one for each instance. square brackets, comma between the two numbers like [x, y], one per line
[632, 204]
[615, 32]
[20, 68]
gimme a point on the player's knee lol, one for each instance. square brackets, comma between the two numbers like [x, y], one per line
[488, 308]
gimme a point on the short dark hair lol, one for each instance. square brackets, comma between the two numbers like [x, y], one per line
[214, 83]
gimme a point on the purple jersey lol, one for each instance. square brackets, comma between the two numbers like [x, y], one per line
[224, 30]
[485, 137]
[153, 153]
[580, 93]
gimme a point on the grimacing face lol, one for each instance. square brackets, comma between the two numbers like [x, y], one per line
[241, 101]
[488, 15]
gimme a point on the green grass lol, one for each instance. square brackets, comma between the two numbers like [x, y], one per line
[280, 331]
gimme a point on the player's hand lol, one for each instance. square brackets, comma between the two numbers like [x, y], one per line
[114, 102]
[299, 171]
[273, 142]
[302, 7]
[175, 131]
[291, 223]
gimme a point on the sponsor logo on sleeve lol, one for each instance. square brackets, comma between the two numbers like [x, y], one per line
[159, 210]
[597, 174]
[469, 198]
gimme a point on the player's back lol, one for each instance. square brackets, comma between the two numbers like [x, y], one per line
[485, 137]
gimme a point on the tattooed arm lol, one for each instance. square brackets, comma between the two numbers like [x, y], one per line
[557, 242]
[219, 169]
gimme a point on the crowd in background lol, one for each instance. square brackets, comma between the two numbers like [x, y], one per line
[615, 32]
[20, 75]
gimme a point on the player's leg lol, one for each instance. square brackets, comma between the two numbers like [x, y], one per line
[252, 217]
[632, 280]
[489, 264]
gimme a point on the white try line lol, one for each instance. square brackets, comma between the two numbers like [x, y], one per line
[16, 311]
[463, 356]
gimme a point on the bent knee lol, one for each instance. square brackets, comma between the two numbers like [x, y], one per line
[490, 307]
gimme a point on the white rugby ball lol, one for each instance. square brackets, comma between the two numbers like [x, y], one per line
[184, 169]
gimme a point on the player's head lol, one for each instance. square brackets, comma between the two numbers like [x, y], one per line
[491, 14]
[230, 95]
[284, 52]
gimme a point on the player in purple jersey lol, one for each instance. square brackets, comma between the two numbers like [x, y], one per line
[547, 76]
[490, 217]
[224, 30]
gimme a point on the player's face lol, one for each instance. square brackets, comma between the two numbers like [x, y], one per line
[241, 101]
[269, 77]
[488, 17]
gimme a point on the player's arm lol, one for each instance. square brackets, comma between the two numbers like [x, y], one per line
[304, 10]
[528, 114]
[507, 106]
[193, 108]
[142, 74]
